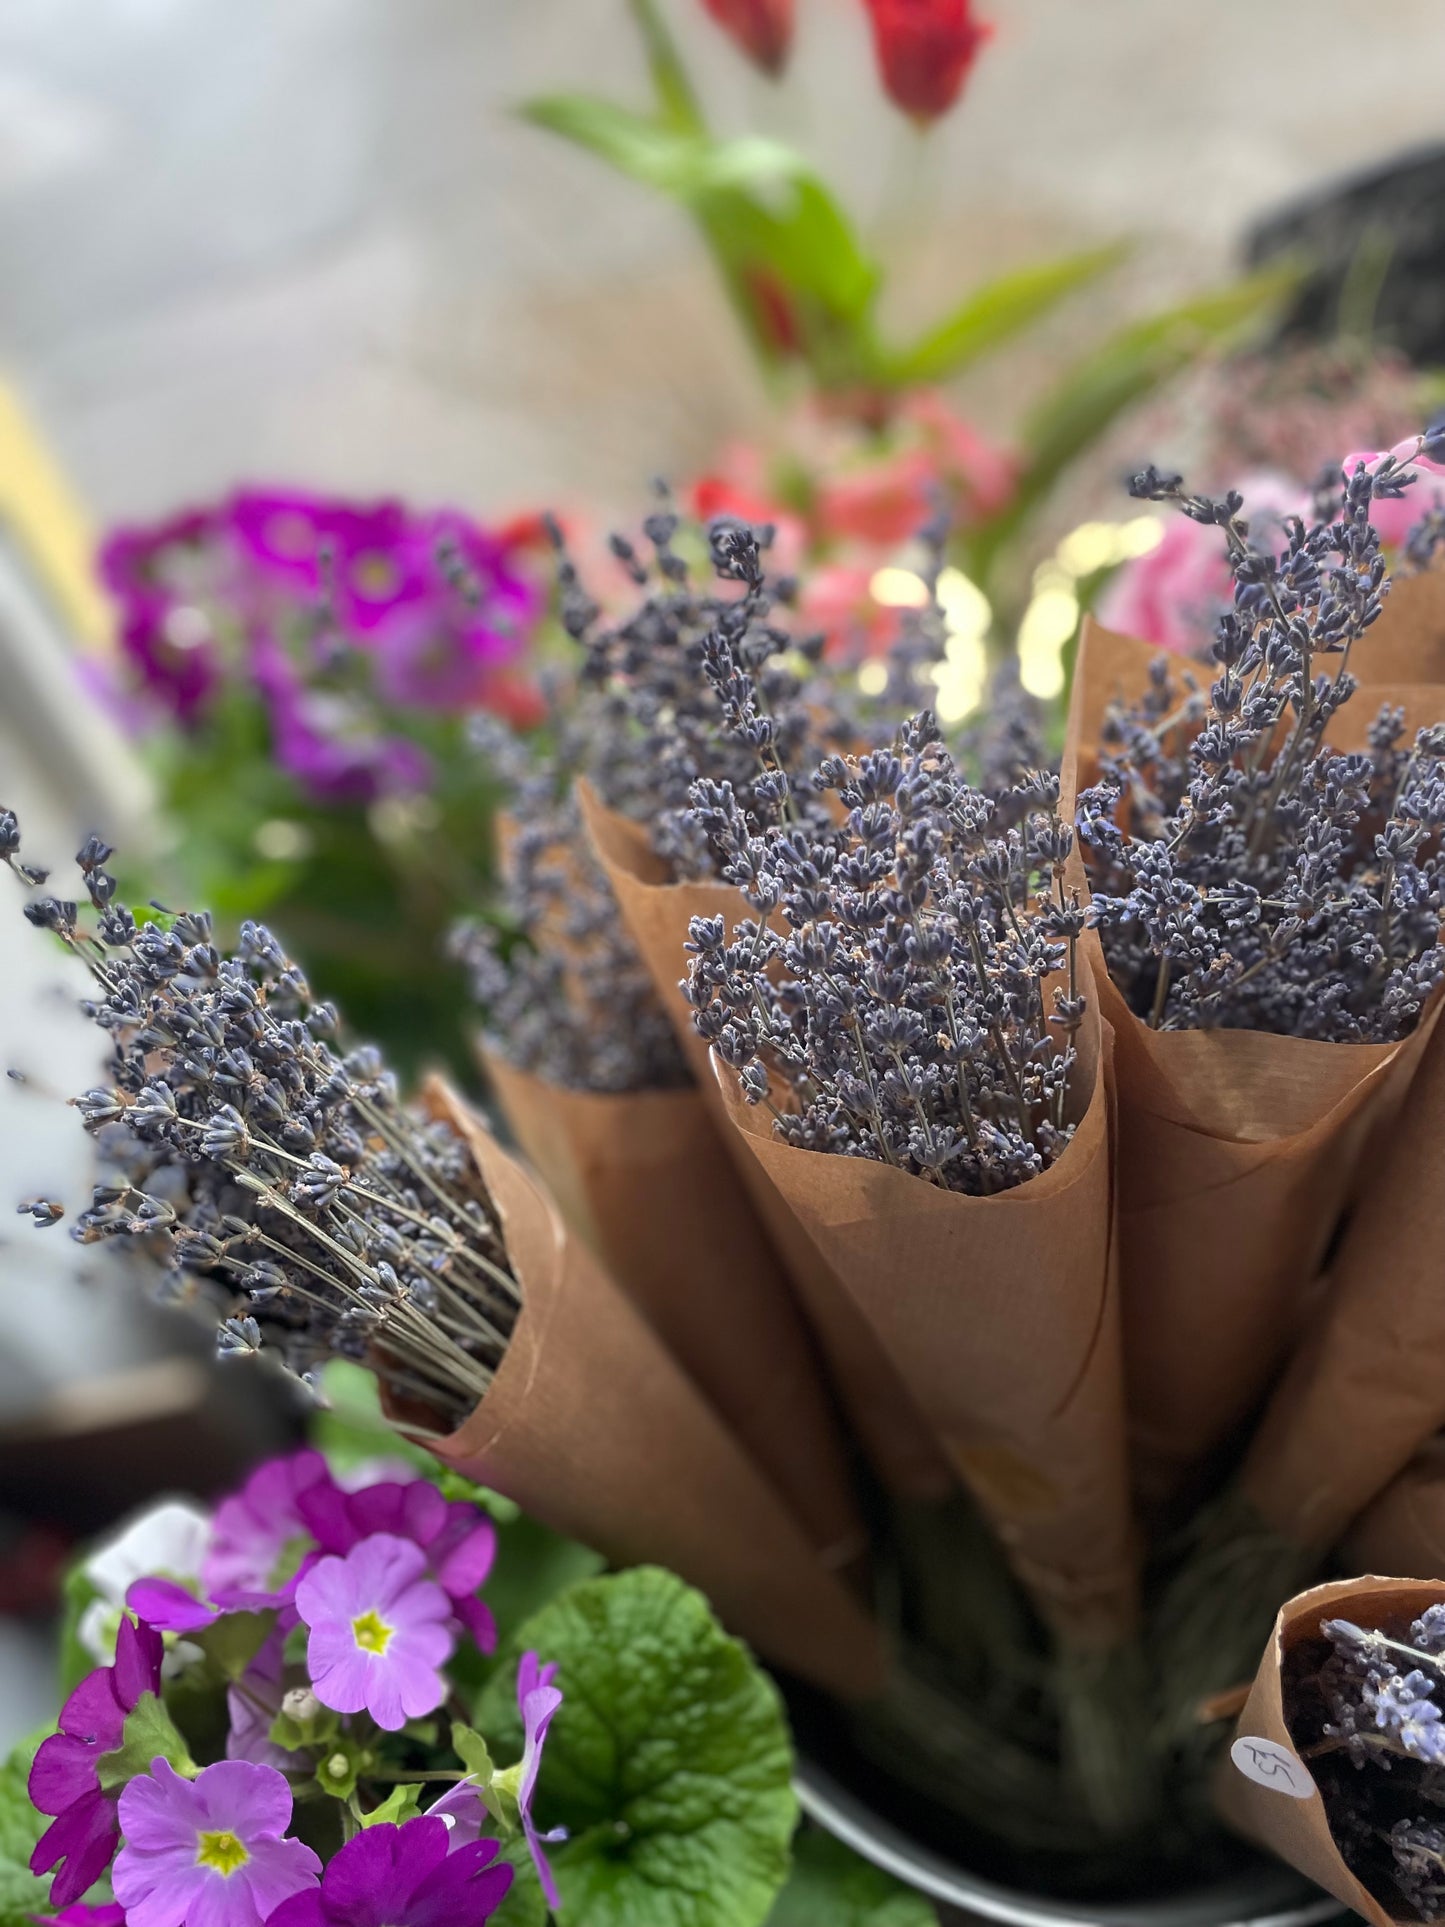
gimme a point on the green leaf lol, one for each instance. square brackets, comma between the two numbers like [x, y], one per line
[403, 1803]
[21, 1893]
[669, 1761]
[994, 313]
[76, 1593]
[149, 1733]
[831, 1884]
[759, 205]
[525, 1904]
[349, 1428]
[234, 1640]
[684, 163]
[471, 1749]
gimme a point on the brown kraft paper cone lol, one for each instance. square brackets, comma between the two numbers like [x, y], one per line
[887, 1424]
[1253, 1793]
[1407, 644]
[1367, 1386]
[592, 1427]
[1403, 1530]
[1239, 1152]
[1001, 1317]
[643, 1178]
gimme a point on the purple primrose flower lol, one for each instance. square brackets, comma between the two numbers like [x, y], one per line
[64, 1780]
[392, 1876]
[379, 1631]
[208, 1852]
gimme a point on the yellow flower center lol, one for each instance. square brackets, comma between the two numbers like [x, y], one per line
[371, 1632]
[221, 1851]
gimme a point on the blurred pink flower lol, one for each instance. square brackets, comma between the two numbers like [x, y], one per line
[1172, 595]
[1394, 518]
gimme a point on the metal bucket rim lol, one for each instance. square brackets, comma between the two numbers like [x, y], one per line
[849, 1819]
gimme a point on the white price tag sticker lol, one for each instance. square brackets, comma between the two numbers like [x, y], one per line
[1271, 1765]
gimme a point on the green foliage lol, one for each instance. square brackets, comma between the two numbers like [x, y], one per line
[403, 1803]
[525, 1904]
[21, 1893]
[831, 1887]
[995, 313]
[234, 1640]
[149, 1733]
[1130, 365]
[669, 1762]
[76, 1593]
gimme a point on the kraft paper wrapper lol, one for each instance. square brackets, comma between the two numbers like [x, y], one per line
[1239, 1152]
[1407, 644]
[592, 1427]
[1367, 1385]
[643, 1177]
[1403, 1530]
[1001, 1317]
[884, 1418]
[1297, 1830]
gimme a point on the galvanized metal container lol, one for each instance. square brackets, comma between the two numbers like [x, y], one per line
[1260, 1895]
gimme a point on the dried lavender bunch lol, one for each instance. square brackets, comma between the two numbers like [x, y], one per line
[666, 676]
[282, 1186]
[565, 994]
[1366, 1711]
[1244, 873]
[897, 980]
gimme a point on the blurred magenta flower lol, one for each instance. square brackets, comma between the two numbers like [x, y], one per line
[208, 1852]
[925, 50]
[392, 1876]
[379, 1632]
[340, 617]
[762, 28]
[64, 1778]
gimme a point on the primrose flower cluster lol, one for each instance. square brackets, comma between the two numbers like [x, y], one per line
[259, 1746]
[338, 618]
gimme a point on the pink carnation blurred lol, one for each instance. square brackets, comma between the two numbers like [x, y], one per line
[1173, 595]
[1394, 519]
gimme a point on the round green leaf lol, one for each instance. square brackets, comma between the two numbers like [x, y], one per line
[669, 1762]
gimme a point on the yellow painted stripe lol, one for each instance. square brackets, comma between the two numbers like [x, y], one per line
[48, 524]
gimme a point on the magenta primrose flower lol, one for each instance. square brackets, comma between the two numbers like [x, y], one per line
[105, 1913]
[255, 1534]
[392, 1876]
[379, 1631]
[460, 1542]
[208, 1852]
[64, 1778]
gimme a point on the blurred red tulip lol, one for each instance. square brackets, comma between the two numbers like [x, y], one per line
[762, 28]
[925, 50]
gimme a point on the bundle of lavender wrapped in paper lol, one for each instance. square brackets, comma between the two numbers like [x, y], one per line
[908, 1051]
[285, 1190]
[1266, 869]
[600, 1098]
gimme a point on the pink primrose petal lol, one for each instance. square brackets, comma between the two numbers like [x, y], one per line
[461, 1812]
[475, 1618]
[84, 1837]
[160, 1812]
[164, 1604]
[158, 1890]
[138, 1654]
[63, 1771]
[466, 1888]
[465, 1551]
[253, 1802]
